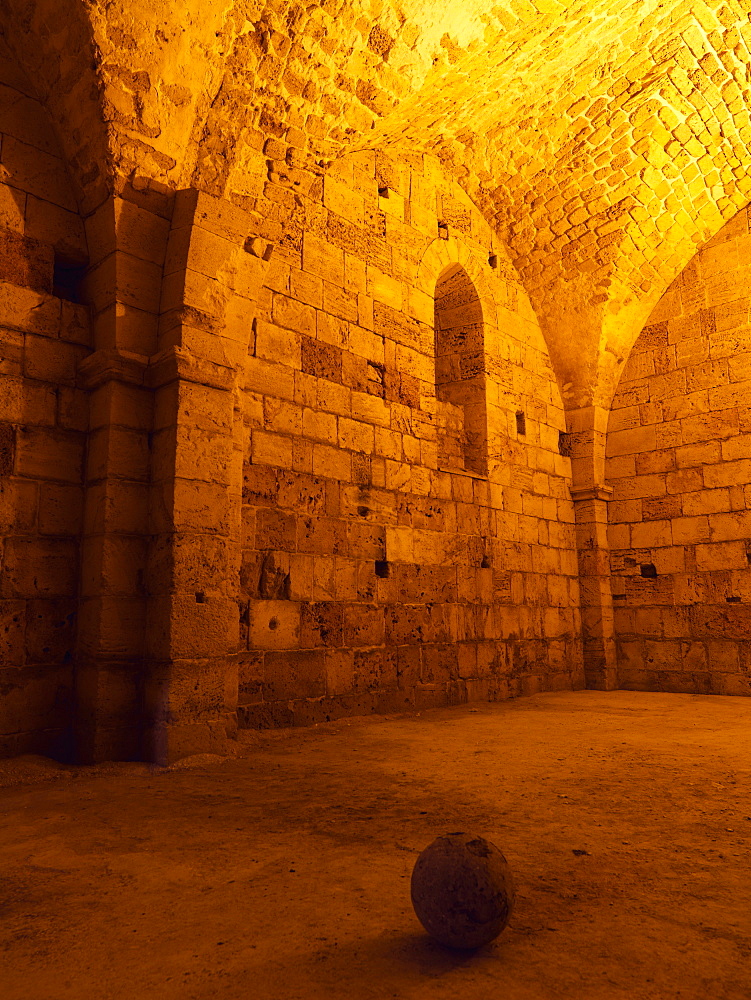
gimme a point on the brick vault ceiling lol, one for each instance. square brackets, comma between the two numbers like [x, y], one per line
[604, 139]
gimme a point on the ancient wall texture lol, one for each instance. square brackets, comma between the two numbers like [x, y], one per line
[380, 569]
[43, 420]
[318, 394]
[679, 447]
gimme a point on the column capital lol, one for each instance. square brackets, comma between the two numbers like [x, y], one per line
[112, 365]
[178, 364]
[592, 493]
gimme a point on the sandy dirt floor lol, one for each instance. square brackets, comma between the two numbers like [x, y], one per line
[283, 874]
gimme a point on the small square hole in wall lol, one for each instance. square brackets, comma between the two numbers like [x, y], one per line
[67, 276]
[383, 192]
[381, 568]
[443, 230]
[649, 570]
[493, 260]
[521, 423]
[564, 444]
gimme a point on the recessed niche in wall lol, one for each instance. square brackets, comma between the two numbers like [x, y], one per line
[460, 373]
[67, 276]
[564, 444]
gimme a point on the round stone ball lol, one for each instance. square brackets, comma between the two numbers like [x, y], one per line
[462, 890]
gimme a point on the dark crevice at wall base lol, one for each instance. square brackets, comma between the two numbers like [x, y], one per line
[314, 711]
[679, 682]
[59, 744]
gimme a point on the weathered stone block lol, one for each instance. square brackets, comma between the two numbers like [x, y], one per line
[12, 629]
[294, 674]
[339, 668]
[36, 568]
[321, 624]
[363, 625]
[321, 360]
[274, 625]
[25, 261]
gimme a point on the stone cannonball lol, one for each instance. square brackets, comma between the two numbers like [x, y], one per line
[462, 890]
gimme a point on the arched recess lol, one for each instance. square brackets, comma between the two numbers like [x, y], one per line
[460, 372]
[37, 199]
[679, 463]
[465, 317]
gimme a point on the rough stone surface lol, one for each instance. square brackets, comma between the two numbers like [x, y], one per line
[328, 380]
[679, 445]
[285, 872]
[380, 395]
[462, 890]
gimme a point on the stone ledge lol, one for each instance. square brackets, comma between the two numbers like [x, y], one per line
[592, 493]
[152, 372]
[176, 364]
[112, 366]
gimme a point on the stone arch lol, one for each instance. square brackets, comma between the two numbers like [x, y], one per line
[449, 270]
[459, 338]
[41, 230]
[442, 259]
[444, 253]
[631, 308]
[678, 446]
[53, 43]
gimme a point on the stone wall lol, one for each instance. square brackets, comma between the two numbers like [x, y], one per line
[326, 384]
[374, 577]
[679, 448]
[43, 420]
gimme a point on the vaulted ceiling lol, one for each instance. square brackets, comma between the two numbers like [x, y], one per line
[603, 139]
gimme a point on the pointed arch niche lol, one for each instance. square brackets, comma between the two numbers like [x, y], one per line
[460, 373]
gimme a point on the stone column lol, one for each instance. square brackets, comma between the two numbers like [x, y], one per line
[213, 271]
[171, 288]
[588, 427]
[127, 240]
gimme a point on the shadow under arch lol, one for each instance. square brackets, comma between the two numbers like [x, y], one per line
[53, 43]
[630, 309]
